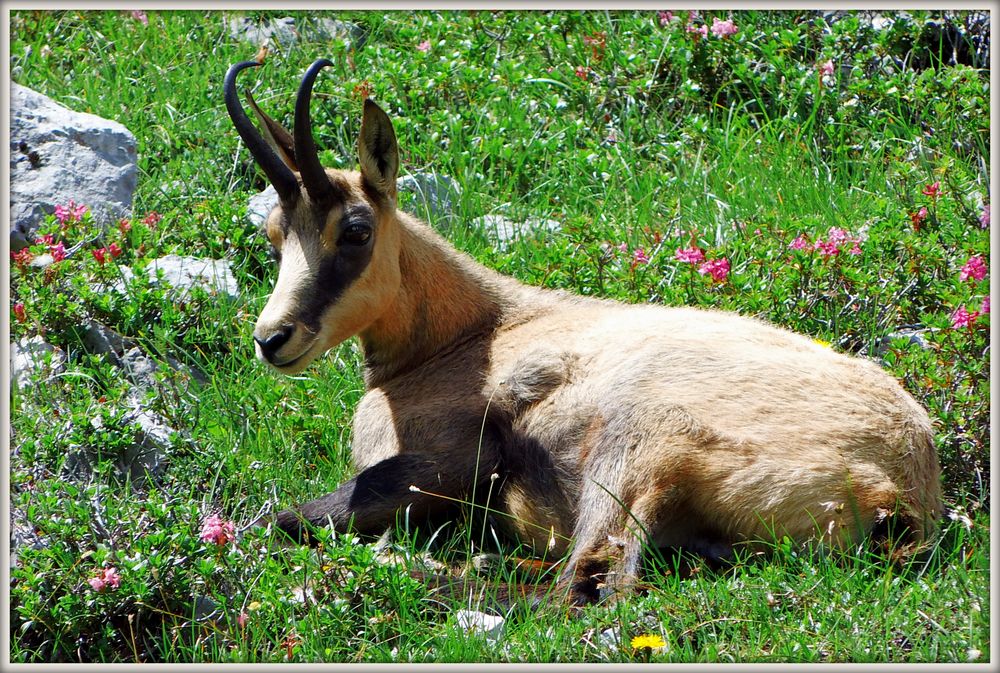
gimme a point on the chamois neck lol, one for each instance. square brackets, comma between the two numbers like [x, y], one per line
[445, 297]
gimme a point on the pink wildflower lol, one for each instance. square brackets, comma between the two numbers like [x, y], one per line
[855, 249]
[424, 46]
[985, 308]
[718, 268]
[665, 17]
[918, 217]
[99, 255]
[216, 529]
[104, 578]
[152, 219]
[962, 318]
[622, 247]
[19, 312]
[597, 43]
[114, 250]
[71, 212]
[826, 69]
[984, 219]
[837, 235]
[801, 242]
[691, 255]
[975, 269]
[58, 252]
[932, 191]
[700, 31]
[22, 258]
[140, 16]
[124, 225]
[47, 239]
[62, 214]
[639, 257]
[723, 28]
[242, 620]
[581, 71]
[826, 248]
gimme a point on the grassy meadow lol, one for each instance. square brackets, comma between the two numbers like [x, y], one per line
[833, 176]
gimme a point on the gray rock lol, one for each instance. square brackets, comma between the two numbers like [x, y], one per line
[185, 273]
[503, 230]
[34, 357]
[610, 638]
[205, 608]
[58, 155]
[261, 205]
[286, 31]
[434, 193]
[148, 454]
[101, 340]
[145, 456]
[916, 336]
[140, 369]
[22, 536]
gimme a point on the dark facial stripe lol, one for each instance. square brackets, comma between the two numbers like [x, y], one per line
[336, 273]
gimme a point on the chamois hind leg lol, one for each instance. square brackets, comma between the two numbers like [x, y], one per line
[650, 507]
[608, 545]
[369, 502]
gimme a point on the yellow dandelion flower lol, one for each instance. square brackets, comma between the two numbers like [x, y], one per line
[820, 342]
[648, 640]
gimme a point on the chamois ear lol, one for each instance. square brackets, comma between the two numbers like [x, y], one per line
[275, 134]
[377, 151]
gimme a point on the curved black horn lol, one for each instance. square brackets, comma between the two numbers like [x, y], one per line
[313, 174]
[277, 172]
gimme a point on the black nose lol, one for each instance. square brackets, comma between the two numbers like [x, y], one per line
[273, 342]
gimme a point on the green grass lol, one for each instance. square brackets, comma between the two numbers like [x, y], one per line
[735, 145]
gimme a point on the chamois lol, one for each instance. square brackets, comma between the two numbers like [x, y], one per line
[597, 427]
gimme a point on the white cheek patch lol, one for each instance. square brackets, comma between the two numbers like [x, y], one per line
[296, 278]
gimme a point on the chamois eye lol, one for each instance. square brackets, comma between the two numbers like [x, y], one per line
[355, 234]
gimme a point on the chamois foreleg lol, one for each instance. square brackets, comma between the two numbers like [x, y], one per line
[369, 503]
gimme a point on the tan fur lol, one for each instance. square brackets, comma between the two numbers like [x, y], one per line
[609, 425]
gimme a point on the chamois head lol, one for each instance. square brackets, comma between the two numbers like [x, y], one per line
[333, 232]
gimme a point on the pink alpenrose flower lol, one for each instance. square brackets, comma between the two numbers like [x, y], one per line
[105, 578]
[217, 530]
[961, 317]
[975, 269]
[717, 268]
[933, 190]
[723, 28]
[692, 255]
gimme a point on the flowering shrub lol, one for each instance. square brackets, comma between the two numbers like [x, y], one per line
[216, 530]
[104, 579]
[718, 269]
[723, 28]
[691, 255]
